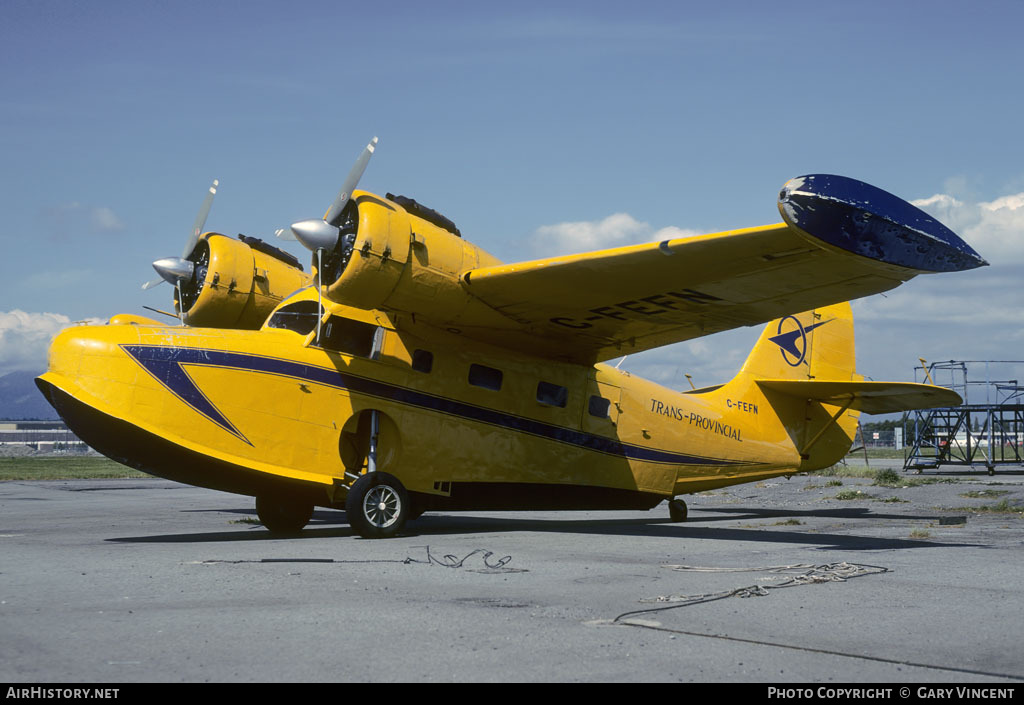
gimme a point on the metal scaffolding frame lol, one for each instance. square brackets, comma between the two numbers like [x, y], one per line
[989, 434]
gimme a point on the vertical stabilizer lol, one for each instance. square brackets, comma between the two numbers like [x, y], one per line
[816, 344]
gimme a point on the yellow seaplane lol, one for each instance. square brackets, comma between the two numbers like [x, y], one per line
[412, 371]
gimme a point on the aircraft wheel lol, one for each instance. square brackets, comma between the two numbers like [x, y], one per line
[677, 510]
[377, 506]
[415, 510]
[282, 515]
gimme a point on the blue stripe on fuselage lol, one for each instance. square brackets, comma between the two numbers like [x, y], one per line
[164, 363]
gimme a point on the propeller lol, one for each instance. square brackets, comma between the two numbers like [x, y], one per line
[324, 234]
[176, 270]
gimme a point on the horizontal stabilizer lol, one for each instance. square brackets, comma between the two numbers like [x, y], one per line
[868, 397]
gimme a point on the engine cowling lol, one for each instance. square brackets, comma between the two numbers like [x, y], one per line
[389, 259]
[235, 285]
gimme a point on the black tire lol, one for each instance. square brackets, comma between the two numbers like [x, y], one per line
[377, 506]
[677, 510]
[416, 509]
[283, 515]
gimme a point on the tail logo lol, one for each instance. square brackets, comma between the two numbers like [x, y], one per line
[793, 342]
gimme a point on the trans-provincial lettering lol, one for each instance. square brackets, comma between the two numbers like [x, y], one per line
[702, 422]
[673, 412]
[715, 426]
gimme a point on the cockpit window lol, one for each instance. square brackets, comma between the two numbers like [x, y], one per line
[300, 317]
[348, 336]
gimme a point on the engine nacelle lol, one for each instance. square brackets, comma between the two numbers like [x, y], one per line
[390, 259]
[236, 284]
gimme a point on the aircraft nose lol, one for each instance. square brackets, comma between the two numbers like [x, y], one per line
[868, 221]
[73, 362]
[66, 351]
[92, 353]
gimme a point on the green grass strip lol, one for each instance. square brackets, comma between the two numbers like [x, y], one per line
[64, 468]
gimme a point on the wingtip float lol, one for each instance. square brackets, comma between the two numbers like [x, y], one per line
[868, 221]
[399, 384]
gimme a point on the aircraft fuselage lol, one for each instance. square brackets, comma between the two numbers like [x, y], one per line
[461, 424]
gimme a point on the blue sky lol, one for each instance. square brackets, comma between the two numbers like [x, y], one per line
[537, 127]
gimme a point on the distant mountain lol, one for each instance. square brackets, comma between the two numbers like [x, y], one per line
[21, 399]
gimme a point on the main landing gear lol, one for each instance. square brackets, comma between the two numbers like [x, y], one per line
[677, 510]
[377, 506]
[283, 515]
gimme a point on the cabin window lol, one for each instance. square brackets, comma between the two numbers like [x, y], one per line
[300, 317]
[552, 394]
[486, 377]
[422, 360]
[348, 336]
[599, 407]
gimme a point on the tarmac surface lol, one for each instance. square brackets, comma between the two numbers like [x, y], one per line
[107, 581]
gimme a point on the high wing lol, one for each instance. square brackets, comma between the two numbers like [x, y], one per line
[605, 304]
[842, 240]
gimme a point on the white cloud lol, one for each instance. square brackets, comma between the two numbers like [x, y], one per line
[104, 220]
[72, 218]
[25, 338]
[995, 228]
[617, 230]
[975, 315]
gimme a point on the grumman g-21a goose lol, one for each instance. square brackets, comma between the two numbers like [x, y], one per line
[412, 371]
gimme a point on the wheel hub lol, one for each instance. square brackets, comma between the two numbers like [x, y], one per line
[382, 506]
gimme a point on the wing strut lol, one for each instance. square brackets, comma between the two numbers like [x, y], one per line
[807, 448]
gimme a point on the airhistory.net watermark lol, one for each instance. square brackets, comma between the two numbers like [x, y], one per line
[34, 692]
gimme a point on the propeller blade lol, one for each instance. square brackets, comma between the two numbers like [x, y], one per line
[351, 181]
[151, 284]
[285, 234]
[197, 227]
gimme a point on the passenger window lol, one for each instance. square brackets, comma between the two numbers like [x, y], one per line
[348, 336]
[552, 394]
[422, 360]
[599, 407]
[486, 377]
[300, 317]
